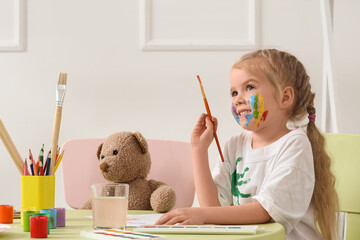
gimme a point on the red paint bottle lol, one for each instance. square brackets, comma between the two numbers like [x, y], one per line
[39, 227]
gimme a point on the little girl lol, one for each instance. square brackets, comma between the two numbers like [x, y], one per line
[270, 172]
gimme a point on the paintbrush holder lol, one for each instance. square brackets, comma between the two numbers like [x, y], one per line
[37, 192]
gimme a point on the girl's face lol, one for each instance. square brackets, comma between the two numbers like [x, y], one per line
[253, 99]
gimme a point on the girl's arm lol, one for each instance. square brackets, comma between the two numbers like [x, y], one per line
[250, 213]
[201, 138]
[205, 187]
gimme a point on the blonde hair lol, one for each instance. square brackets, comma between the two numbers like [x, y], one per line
[283, 69]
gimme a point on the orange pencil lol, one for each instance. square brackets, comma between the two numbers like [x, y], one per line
[36, 170]
[209, 114]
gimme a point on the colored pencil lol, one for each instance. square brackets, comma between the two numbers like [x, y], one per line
[45, 161]
[31, 156]
[26, 171]
[42, 154]
[60, 94]
[58, 161]
[57, 153]
[45, 166]
[41, 169]
[10, 146]
[209, 114]
[36, 170]
[32, 169]
[47, 170]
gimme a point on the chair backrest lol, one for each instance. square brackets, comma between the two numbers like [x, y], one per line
[171, 164]
[344, 150]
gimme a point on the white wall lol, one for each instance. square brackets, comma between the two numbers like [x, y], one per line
[115, 86]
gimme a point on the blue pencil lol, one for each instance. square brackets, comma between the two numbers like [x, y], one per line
[32, 162]
[32, 168]
[48, 162]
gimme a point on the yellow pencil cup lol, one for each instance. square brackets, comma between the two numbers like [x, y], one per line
[37, 192]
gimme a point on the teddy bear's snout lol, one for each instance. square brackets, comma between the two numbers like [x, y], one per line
[104, 166]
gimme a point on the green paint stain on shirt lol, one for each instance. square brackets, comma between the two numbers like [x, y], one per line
[237, 180]
[245, 195]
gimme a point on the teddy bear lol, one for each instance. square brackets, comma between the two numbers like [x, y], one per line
[124, 158]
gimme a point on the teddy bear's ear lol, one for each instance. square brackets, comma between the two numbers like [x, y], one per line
[142, 142]
[99, 151]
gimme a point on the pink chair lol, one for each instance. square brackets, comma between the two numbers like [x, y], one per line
[171, 163]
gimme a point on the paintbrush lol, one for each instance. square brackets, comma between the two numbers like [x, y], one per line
[10, 146]
[209, 114]
[60, 95]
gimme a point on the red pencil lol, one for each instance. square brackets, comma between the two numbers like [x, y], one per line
[41, 169]
[31, 157]
[57, 153]
[209, 114]
[32, 164]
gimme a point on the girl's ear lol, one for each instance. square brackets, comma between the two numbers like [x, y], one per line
[287, 97]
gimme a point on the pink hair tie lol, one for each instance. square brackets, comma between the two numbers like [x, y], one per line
[312, 117]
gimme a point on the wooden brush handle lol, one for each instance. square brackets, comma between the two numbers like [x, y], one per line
[55, 137]
[218, 146]
[10, 146]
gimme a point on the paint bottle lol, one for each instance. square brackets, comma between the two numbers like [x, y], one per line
[6, 213]
[39, 227]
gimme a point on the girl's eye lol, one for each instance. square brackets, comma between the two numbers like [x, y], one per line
[249, 87]
[234, 93]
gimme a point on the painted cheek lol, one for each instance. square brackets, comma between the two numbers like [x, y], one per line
[263, 117]
[236, 116]
[258, 110]
[248, 118]
[254, 105]
[253, 102]
[262, 114]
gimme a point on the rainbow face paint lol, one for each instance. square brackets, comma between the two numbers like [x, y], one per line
[248, 118]
[234, 113]
[258, 110]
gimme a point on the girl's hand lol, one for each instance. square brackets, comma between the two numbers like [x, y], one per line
[183, 216]
[203, 132]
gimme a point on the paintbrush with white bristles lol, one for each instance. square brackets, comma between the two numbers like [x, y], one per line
[60, 95]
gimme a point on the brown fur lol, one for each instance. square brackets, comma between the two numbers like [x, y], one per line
[131, 164]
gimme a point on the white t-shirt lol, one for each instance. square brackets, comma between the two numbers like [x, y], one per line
[279, 176]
